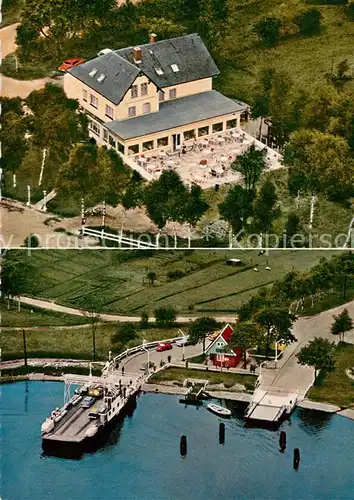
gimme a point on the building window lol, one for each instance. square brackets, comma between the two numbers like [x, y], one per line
[134, 91]
[84, 95]
[133, 150]
[94, 127]
[111, 141]
[109, 111]
[162, 141]
[121, 148]
[132, 111]
[172, 93]
[105, 135]
[161, 96]
[203, 131]
[146, 107]
[93, 101]
[148, 145]
[231, 123]
[218, 127]
[189, 135]
[144, 89]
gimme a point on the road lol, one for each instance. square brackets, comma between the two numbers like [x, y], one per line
[132, 364]
[289, 374]
[44, 304]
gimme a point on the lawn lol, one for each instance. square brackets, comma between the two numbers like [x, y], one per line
[228, 379]
[336, 387]
[71, 343]
[209, 285]
[33, 317]
[305, 59]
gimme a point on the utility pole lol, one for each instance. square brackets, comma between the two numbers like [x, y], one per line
[24, 346]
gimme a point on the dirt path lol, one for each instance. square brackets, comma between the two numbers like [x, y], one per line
[9, 86]
[44, 304]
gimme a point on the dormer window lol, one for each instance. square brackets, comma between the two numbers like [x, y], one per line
[175, 68]
[93, 73]
[101, 78]
[159, 71]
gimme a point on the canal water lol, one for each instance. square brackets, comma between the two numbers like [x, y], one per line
[142, 459]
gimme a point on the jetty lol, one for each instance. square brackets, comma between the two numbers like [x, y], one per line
[270, 405]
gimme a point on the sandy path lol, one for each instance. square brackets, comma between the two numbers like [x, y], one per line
[9, 86]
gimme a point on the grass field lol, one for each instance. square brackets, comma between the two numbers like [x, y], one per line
[209, 285]
[71, 343]
[336, 387]
[31, 317]
[228, 379]
[305, 59]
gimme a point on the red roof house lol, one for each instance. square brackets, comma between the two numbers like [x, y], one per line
[221, 353]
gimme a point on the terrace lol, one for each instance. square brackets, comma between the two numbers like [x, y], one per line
[205, 161]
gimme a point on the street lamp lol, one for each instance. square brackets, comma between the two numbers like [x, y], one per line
[183, 335]
[148, 353]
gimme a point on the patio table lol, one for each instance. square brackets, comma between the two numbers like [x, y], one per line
[162, 154]
[170, 163]
[220, 140]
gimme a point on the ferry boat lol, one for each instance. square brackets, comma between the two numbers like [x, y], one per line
[88, 417]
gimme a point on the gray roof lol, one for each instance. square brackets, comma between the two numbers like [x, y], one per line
[119, 75]
[175, 113]
[188, 52]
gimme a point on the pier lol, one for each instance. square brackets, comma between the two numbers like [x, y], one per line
[270, 405]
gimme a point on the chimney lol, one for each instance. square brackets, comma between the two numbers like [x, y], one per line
[137, 55]
[153, 37]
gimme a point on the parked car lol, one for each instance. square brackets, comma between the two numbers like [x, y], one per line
[183, 341]
[103, 52]
[71, 63]
[87, 402]
[164, 346]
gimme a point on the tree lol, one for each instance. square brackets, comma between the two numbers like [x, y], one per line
[261, 101]
[201, 328]
[341, 76]
[292, 227]
[309, 22]
[17, 275]
[265, 208]
[237, 207]
[151, 276]
[318, 353]
[144, 319]
[342, 323]
[12, 134]
[133, 195]
[277, 321]
[91, 307]
[31, 241]
[319, 162]
[165, 316]
[125, 333]
[343, 271]
[194, 208]
[57, 22]
[250, 165]
[268, 30]
[165, 199]
[245, 335]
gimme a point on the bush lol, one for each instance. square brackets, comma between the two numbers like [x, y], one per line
[350, 11]
[173, 275]
[144, 321]
[165, 316]
[309, 22]
[31, 241]
[268, 30]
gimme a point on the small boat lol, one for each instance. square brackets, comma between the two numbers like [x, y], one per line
[219, 410]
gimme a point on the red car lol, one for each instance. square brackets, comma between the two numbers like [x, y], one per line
[164, 346]
[71, 63]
